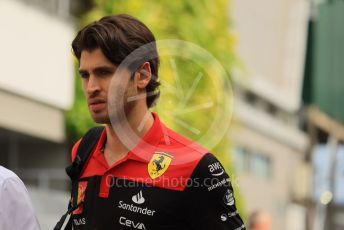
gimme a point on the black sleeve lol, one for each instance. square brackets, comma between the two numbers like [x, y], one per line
[209, 198]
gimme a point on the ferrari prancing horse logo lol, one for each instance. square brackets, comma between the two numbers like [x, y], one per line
[159, 164]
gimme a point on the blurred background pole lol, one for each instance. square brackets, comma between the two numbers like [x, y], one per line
[330, 208]
[325, 204]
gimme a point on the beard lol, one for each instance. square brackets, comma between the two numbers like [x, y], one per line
[120, 108]
[101, 119]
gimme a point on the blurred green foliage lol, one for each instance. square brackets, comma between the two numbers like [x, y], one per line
[193, 91]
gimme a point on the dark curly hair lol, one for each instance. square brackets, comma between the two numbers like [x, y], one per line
[118, 36]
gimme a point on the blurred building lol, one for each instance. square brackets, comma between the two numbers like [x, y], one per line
[322, 94]
[270, 145]
[36, 87]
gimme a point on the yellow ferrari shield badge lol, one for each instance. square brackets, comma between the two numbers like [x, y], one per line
[159, 164]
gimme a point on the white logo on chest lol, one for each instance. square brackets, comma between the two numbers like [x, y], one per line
[138, 198]
[132, 224]
[216, 169]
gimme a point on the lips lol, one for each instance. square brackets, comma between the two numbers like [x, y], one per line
[96, 104]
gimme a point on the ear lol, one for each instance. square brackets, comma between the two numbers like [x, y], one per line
[143, 76]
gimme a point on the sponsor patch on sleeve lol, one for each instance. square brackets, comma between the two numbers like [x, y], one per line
[81, 197]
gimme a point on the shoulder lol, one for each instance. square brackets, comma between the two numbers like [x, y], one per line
[183, 150]
[209, 166]
[93, 135]
[75, 149]
[6, 174]
[181, 145]
[10, 182]
[14, 198]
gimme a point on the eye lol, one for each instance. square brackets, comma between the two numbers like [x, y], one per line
[84, 75]
[104, 72]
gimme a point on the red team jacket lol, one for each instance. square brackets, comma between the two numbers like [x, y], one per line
[166, 182]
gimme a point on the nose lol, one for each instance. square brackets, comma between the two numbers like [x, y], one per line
[93, 85]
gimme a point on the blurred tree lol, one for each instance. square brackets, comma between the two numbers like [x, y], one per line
[196, 97]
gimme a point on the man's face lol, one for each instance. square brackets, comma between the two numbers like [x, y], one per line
[97, 73]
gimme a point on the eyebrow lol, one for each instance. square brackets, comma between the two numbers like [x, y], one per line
[99, 68]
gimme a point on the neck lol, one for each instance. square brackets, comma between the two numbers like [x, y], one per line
[138, 121]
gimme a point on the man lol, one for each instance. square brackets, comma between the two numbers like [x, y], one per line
[260, 220]
[16, 212]
[140, 174]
